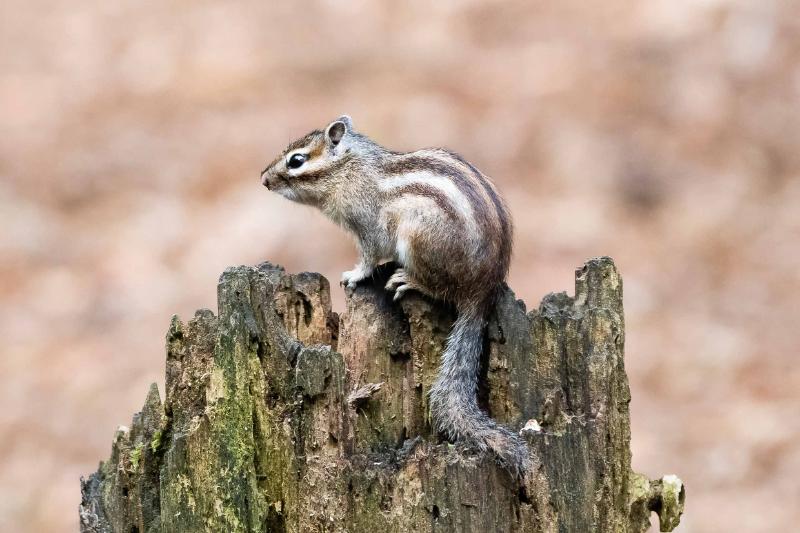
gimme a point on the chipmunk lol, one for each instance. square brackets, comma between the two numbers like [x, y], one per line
[444, 223]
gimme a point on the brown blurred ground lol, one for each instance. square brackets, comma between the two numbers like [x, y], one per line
[662, 133]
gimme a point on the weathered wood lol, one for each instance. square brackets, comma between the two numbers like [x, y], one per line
[281, 416]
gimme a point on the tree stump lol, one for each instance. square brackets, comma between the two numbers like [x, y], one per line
[282, 416]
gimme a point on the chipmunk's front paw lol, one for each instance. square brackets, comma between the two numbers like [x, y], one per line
[352, 277]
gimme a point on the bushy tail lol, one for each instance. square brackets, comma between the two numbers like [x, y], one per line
[453, 398]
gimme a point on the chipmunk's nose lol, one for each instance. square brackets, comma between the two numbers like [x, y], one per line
[265, 178]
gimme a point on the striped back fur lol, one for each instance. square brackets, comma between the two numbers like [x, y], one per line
[478, 231]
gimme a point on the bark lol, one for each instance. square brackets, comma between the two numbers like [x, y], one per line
[282, 416]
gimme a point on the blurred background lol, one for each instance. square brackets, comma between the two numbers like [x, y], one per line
[662, 133]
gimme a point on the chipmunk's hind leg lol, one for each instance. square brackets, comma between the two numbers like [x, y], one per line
[401, 281]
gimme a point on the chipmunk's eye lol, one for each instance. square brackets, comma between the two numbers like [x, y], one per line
[297, 160]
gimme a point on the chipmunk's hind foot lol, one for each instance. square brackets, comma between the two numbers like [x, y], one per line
[400, 282]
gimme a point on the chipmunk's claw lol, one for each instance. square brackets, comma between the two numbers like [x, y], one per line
[351, 278]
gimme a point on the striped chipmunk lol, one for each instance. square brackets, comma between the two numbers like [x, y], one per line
[444, 223]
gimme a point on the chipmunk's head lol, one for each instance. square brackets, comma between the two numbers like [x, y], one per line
[309, 167]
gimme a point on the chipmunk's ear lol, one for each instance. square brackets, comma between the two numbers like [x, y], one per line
[336, 129]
